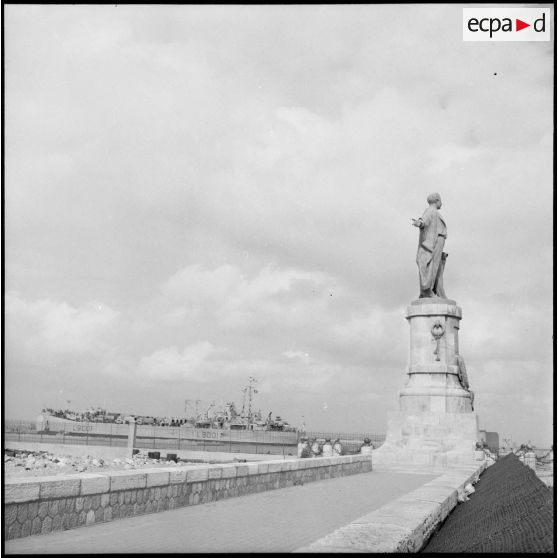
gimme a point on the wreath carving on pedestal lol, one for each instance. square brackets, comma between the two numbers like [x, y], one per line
[437, 331]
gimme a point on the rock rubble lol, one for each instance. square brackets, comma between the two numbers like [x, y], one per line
[41, 463]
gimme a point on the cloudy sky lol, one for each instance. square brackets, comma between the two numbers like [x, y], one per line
[199, 194]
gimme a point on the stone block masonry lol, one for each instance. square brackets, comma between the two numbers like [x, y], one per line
[405, 524]
[36, 506]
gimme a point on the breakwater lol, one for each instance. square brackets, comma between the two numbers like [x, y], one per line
[40, 505]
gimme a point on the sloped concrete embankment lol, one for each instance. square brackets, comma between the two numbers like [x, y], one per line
[511, 511]
[41, 505]
[405, 524]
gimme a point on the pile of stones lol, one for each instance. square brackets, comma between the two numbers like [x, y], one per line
[35, 463]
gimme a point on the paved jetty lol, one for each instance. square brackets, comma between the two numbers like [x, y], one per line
[274, 521]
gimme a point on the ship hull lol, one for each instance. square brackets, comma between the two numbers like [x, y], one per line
[51, 424]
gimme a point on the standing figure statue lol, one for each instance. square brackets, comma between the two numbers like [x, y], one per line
[431, 258]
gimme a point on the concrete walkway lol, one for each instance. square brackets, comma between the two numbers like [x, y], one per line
[274, 521]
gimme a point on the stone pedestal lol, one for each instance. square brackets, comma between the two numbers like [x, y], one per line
[435, 424]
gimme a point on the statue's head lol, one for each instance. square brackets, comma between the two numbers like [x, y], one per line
[434, 199]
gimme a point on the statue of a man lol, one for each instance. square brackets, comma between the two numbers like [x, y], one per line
[430, 255]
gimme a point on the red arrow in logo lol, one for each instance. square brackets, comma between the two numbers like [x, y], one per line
[519, 25]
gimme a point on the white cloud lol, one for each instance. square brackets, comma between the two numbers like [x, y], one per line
[445, 156]
[37, 329]
[230, 300]
[171, 364]
[297, 355]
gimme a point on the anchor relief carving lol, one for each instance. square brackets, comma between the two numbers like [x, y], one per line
[437, 331]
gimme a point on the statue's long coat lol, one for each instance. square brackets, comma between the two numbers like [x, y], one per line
[431, 244]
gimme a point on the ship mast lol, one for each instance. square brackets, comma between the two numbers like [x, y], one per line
[251, 390]
[243, 390]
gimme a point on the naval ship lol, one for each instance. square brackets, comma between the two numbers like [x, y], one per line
[214, 423]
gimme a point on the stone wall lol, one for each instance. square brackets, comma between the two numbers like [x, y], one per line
[35, 506]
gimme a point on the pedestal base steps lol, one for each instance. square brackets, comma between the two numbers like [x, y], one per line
[435, 439]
